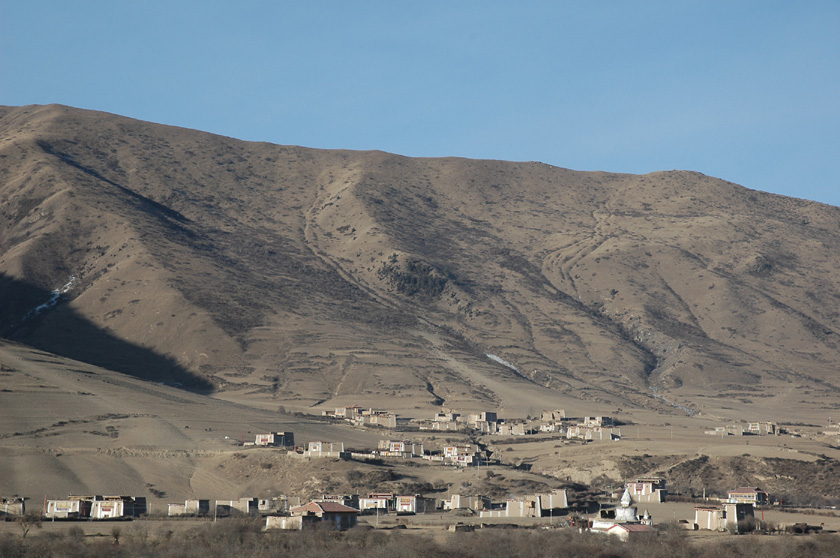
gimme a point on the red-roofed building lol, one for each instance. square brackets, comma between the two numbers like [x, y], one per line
[341, 516]
[625, 531]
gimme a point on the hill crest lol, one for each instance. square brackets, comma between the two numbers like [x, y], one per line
[305, 277]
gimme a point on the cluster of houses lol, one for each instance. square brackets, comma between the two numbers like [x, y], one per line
[736, 513]
[549, 421]
[454, 454]
[95, 507]
[359, 416]
[485, 422]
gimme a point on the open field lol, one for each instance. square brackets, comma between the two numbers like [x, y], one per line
[75, 429]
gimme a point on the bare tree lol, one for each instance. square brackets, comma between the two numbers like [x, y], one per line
[27, 522]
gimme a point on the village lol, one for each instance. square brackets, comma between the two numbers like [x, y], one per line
[622, 511]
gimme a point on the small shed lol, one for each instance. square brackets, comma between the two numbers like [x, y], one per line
[625, 531]
[12, 506]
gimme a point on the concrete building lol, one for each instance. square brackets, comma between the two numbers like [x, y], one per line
[475, 419]
[748, 495]
[337, 515]
[648, 489]
[459, 502]
[96, 507]
[376, 501]
[199, 508]
[326, 449]
[463, 455]
[246, 506]
[593, 433]
[512, 429]
[12, 506]
[375, 417]
[399, 448]
[446, 416]
[534, 505]
[69, 508]
[596, 421]
[556, 415]
[111, 508]
[413, 504]
[733, 517]
[275, 439]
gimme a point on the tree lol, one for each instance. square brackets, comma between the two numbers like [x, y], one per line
[27, 522]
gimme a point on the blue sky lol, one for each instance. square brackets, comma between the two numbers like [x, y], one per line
[745, 90]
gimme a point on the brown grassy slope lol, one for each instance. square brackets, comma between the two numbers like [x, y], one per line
[71, 428]
[299, 276]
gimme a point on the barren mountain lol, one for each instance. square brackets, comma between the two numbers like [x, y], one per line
[281, 275]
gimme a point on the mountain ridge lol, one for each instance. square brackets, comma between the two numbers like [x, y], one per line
[305, 277]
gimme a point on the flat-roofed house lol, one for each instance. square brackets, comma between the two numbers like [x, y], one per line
[275, 439]
[748, 495]
[325, 449]
[462, 455]
[378, 417]
[555, 415]
[648, 489]
[176, 509]
[413, 504]
[95, 507]
[550, 501]
[194, 507]
[338, 515]
[515, 507]
[197, 507]
[70, 508]
[735, 517]
[375, 501]
[534, 505]
[459, 502]
[12, 506]
[247, 506]
[399, 448]
[446, 416]
[111, 508]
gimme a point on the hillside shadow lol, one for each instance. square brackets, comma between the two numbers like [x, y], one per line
[60, 330]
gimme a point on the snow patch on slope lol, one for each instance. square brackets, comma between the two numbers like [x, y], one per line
[503, 362]
[55, 297]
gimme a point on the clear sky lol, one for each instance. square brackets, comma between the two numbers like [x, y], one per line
[745, 90]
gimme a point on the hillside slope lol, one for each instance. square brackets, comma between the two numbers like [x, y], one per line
[285, 275]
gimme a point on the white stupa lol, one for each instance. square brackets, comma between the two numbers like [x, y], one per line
[626, 512]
